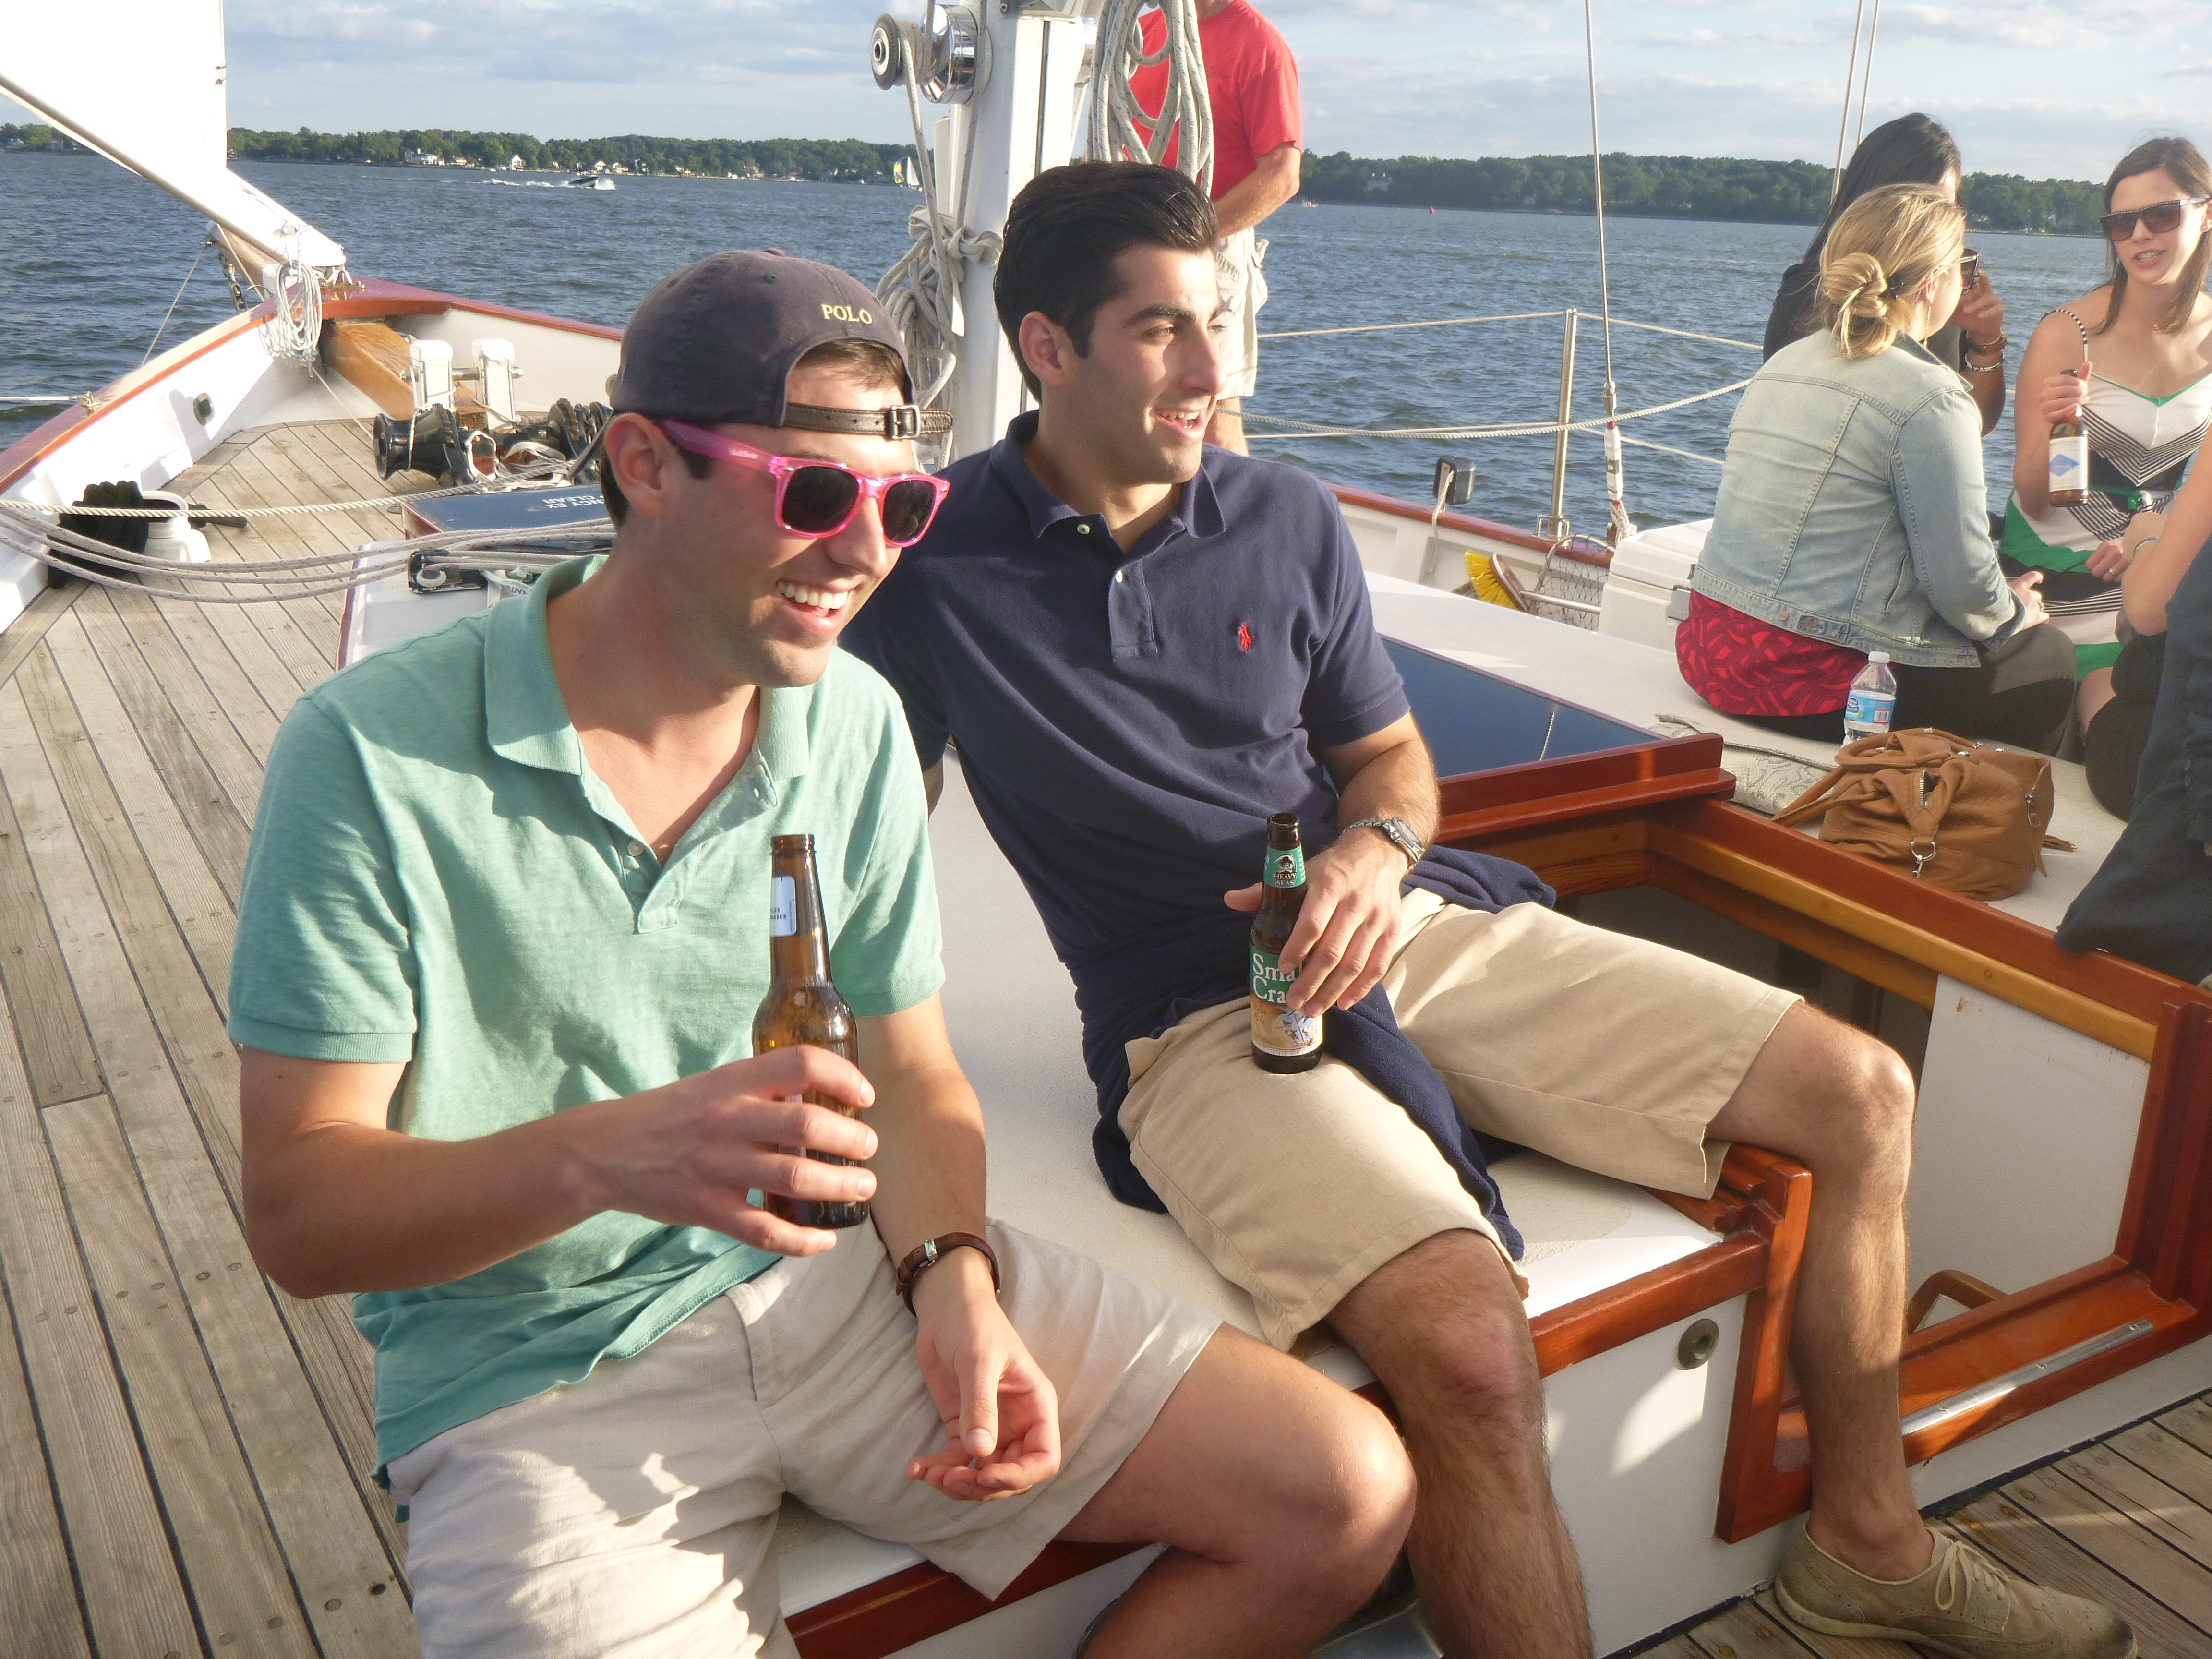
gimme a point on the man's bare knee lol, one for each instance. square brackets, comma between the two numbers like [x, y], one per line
[1443, 1326]
[1829, 1095]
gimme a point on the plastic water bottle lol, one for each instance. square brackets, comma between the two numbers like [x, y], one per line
[1872, 699]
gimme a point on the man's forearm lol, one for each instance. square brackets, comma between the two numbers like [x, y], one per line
[351, 1208]
[1271, 183]
[1399, 783]
[929, 1157]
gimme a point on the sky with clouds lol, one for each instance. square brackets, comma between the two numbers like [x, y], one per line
[2027, 86]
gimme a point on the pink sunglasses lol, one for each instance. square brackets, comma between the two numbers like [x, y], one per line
[819, 498]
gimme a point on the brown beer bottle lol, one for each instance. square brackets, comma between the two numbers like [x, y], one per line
[802, 1005]
[2070, 455]
[1281, 1040]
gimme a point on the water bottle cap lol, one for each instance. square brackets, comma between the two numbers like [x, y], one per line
[1877, 656]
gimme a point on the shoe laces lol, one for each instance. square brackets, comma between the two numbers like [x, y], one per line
[1962, 1574]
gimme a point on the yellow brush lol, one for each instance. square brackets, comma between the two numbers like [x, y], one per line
[1483, 583]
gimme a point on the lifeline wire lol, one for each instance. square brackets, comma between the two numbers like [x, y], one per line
[1534, 429]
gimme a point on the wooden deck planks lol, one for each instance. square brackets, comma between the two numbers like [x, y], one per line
[236, 1575]
[140, 962]
[187, 1160]
[28, 630]
[120, 1544]
[36, 1584]
[235, 767]
[67, 685]
[2115, 1539]
[34, 985]
[2016, 1539]
[196, 797]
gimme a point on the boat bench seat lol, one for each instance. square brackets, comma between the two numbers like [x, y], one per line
[1636, 683]
[1011, 1012]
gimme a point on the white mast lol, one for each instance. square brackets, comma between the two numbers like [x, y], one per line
[1007, 70]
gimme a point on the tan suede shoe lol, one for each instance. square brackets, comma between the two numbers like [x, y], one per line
[1961, 1606]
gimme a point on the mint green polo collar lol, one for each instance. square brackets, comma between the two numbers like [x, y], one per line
[526, 721]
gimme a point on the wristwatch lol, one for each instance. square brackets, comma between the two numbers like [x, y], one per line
[931, 1251]
[1399, 833]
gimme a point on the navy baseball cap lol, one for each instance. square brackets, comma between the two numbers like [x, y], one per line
[718, 340]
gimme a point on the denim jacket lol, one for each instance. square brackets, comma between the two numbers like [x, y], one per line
[1852, 508]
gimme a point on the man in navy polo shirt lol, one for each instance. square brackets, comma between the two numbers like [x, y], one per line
[1144, 647]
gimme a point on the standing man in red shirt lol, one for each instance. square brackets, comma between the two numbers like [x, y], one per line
[1252, 81]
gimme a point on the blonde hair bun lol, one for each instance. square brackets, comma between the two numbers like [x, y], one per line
[1879, 251]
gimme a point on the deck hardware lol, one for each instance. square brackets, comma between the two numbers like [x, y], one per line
[203, 408]
[1698, 1343]
[1997, 1388]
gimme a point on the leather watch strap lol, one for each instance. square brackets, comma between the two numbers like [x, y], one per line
[931, 1251]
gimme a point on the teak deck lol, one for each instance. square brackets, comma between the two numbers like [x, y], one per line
[184, 1450]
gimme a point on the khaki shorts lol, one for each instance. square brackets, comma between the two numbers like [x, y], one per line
[633, 1513]
[1237, 261]
[1609, 1052]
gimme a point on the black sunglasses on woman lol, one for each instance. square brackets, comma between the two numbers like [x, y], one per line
[2158, 218]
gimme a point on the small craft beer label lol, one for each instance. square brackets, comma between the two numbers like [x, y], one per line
[1275, 1027]
[782, 907]
[2070, 463]
[1285, 867]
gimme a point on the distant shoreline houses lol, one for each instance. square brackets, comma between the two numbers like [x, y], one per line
[1647, 186]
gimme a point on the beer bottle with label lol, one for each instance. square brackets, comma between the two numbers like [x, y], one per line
[1282, 1040]
[802, 1005]
[2070, 454]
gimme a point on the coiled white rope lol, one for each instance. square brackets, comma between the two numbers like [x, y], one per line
[294, 332]
[1534, 429]
[1112, 132]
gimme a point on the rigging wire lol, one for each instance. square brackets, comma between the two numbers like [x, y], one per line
[1866, 74]
[1843, 126]
[1616, 510]
[171, 311]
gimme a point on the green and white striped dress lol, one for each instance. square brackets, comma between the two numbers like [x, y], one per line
[2139, 448]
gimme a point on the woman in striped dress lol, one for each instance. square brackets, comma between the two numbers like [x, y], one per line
[2132, 360]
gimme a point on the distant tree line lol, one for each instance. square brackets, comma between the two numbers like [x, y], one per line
[1674, 186]
[1652, 186]
[782, 158]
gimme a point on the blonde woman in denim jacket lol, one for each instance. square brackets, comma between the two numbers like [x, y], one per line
[1853, 516]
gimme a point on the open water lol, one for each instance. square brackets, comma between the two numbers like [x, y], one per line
[91, 257]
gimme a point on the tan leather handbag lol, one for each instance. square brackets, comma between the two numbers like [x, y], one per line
[1962, 815]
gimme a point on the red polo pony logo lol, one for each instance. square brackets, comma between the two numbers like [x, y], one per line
[1243, 636]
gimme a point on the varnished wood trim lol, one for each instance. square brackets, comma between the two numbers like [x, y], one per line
[2017, 977]
[1606, 1319]
[1460, 523]
[1871, 962]
[924, 1600]
[1748, 1475]
[1570, 846]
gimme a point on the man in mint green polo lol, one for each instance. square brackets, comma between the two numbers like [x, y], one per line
[503, 930]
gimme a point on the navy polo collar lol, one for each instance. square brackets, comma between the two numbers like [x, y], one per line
[1196, 512]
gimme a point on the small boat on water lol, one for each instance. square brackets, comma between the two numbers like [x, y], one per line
[2060, 1214]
